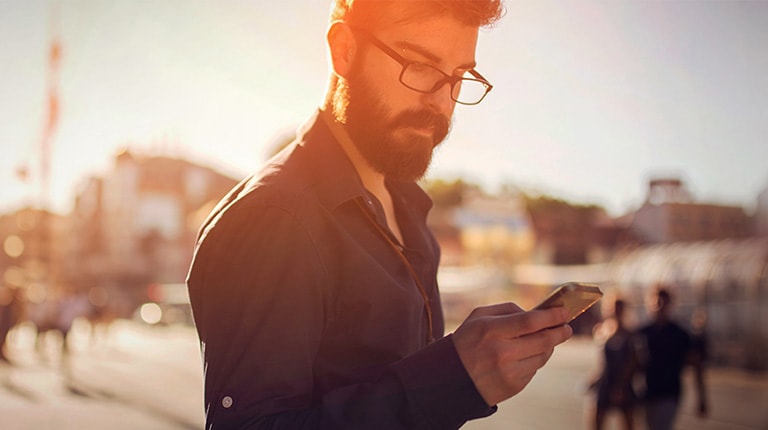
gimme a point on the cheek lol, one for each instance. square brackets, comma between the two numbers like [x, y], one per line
[382, 79]
[388, 95]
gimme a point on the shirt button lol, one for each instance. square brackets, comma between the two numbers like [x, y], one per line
[226, 402]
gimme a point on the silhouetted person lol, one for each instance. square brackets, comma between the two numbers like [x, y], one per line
[668, 349]
[613, 387]
[11, 307]
[71, 305]
[699, 356]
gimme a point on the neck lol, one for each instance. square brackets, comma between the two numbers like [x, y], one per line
[662, 319]
[372, 180]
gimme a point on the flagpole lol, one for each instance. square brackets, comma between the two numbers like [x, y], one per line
[52, 113]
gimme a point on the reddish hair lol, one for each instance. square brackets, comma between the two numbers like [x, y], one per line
[367, 13]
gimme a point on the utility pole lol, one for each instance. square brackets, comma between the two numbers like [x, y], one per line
[45, 235]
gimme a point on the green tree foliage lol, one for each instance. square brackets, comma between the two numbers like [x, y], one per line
[547, 204]
[449, 193]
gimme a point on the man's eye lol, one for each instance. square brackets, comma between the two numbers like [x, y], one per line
[423, 68]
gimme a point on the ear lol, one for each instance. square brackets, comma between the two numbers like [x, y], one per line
[342, 46]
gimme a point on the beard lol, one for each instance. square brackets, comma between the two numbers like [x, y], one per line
[390, 143]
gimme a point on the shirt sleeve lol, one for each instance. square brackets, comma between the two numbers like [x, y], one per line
[261, 301]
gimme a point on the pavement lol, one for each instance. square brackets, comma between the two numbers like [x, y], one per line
[141, 377]
[556, 398]
[133, 377]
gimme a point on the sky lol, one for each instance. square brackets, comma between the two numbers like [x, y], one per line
[591, 98]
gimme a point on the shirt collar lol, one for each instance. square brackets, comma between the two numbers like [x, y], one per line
[335, 178]
[331, 173]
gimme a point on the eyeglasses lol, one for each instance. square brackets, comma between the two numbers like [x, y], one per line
[428, 79]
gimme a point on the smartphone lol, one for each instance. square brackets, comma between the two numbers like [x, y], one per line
[576, 297]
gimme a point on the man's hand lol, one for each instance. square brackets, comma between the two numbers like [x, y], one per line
[502, 346]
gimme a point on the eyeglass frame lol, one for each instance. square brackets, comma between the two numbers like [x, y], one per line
[448, 79]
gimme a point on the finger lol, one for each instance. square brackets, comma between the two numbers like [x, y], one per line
[535, 344]
[523, 323]
[496, 310]
[557, 335]
[558, 317]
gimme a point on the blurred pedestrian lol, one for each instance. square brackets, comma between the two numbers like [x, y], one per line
[314, 283]
[11, 308]
[613, 388]
[71, 305]
[668, 348]
[699, 356]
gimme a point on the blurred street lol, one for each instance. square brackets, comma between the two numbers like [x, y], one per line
[133, 377]
[141, 377]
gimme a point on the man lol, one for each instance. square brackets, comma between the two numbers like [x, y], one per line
[313, 283]
[668, 349]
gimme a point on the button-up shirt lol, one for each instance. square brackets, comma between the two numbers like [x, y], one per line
[307, 316]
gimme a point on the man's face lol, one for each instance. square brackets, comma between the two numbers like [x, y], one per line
[395, 128]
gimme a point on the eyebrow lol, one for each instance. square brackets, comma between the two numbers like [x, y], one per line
[404, 44]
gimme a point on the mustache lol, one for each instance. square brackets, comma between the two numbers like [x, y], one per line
[423, 118]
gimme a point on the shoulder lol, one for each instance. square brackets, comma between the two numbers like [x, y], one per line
[255, 236]
[682, 333]
[260, 208]
[282, 188]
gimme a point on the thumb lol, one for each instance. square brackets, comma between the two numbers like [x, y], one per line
[497, 309]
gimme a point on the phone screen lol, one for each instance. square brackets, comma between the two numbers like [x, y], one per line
[576, 297]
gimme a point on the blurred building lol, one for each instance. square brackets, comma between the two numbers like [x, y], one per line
[137, 224]
[33, 241]
[761, 214]
[724, 280]
[476, 229]
[568, 234]
[669, 215]
[494, 230]
[710, 258]
[481, 238]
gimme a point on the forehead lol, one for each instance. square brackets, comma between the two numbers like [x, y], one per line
[442, 35]
[377, 14]
[380, 14]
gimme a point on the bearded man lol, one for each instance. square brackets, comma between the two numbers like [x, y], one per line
[314, 282]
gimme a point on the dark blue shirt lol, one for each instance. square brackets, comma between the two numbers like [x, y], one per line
[307, 316]
[668, 346]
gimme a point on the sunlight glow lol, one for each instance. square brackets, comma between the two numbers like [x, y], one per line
[151, 313]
